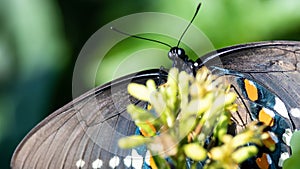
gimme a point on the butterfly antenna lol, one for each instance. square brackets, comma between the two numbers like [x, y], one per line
[197, 10]
[139, 37]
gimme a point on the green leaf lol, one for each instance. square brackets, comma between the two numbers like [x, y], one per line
[295, 142]
[293, 162]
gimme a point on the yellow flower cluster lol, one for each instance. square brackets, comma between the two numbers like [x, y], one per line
[185, 115]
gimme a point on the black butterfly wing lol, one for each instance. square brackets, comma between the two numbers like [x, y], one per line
[84, 133]
[268, 70]
[274, 64]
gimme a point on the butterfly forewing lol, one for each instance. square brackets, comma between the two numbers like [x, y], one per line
[85, 132]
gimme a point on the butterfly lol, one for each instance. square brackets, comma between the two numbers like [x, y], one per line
[85, 132]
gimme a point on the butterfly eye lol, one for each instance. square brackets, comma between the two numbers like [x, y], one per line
[171, 54]
[180, 52]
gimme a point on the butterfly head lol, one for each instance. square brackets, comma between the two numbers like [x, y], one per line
[179, 53]
[181, 60]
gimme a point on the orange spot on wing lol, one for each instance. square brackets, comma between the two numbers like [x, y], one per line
[251, 90]
[262, 162]
[265, 117]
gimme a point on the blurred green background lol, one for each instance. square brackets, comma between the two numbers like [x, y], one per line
[40, 41]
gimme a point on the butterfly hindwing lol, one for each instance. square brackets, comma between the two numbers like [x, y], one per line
[273, 65]
[267, 79]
